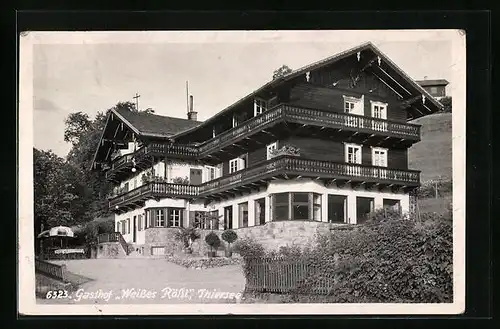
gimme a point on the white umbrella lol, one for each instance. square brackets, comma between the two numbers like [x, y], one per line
[57, 231]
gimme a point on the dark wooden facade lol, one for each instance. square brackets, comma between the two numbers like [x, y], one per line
[306, 112]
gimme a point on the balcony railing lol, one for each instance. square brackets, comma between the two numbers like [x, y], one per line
[312, 168]
[282, 165]
[282, 112]
[155, 189]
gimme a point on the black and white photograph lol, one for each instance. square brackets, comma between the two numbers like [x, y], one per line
[242, 172]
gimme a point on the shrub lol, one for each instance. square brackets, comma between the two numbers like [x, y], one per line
[212, 240]
[187, 235]
[383, 214]
[229, 236]
[249, 248]
[383, 261]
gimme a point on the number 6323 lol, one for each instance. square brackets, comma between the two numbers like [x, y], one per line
[57, 294]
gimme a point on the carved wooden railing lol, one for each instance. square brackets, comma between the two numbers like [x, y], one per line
[155, 189]
[282, 112]
[294, 165]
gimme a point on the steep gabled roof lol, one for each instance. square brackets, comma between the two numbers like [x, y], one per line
[320, 64]
[143, 125]
[153, 125]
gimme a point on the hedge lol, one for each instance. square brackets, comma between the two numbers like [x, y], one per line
[384, 261]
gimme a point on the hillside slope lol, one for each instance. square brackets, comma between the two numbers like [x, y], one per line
[433, 154]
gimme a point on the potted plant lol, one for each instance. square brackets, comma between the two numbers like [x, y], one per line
[187, 236]
[213, 242]
[229, 236]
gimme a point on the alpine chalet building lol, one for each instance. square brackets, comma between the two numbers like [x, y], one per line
[325, 143]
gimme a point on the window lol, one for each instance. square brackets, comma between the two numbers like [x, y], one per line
[157, 251]
[118, 227]
[353, 153]
[270, 149]
[128, 225]
[238, 163]
[296, 206]
[379, 111]
[392, 204]
[259, 106]
[146, 220]
[125, 187]
[215, 219]
[348, 107]
[160, 217]
[124, 230]
[175, 217]
[260, 211]
[354, 105]
[135, 183]
[233, 165]
[364, 206]
[379, 157]
[243, 214]
[211, 173]
[316, 198]
[235, 121]
[300, 206]
[213, 132]
[281, 206]
[433, 91]
[228, 217]
[337, 208]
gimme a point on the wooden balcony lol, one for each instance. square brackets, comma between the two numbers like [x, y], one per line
[325, 120]
[283, 167]
[253, 131]
[152, 190]
[287, 167]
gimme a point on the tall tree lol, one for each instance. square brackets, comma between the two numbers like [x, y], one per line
[446, 101]
[84, 135]
[57, 189]
[281, 72]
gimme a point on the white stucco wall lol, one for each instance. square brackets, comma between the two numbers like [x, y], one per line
[304, 185]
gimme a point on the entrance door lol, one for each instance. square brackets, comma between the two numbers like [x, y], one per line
[195, 176]
[134, 237]
[228, 217]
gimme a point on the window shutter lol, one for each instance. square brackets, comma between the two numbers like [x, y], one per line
[153, 218]
[184, 218]
[128, 225]
[167, 216]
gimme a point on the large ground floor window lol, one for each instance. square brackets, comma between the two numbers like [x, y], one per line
[243, 214]
[296, 206]
[260, 211]
[165, 217]
[364, 206]
[337, 208]
[393, 204]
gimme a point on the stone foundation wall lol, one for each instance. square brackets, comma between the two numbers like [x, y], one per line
[272, 236]
[110, 250]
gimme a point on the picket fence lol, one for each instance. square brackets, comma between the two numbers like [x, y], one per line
[280, 275]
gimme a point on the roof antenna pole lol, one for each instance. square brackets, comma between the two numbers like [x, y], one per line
[187, 96]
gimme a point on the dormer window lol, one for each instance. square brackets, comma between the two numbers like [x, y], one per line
[259, 106]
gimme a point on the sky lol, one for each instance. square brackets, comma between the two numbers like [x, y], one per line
[91, 72]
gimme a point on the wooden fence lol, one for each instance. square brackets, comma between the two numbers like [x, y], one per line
[280, 275]
[51, 270]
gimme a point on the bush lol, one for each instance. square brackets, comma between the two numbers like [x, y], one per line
[384, 214]
[249, 248]
[229, 236]
[385, 261]
[212, 240]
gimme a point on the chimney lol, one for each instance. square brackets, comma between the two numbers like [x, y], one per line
[192, 115]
